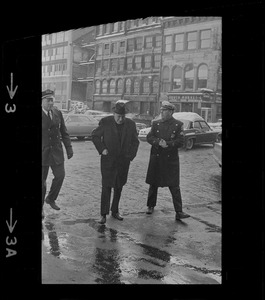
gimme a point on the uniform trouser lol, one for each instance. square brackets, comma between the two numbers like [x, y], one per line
[105, 200]
[59, 174]
[176, 197]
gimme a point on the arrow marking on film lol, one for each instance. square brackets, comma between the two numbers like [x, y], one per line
[11, 91]
[9, 225]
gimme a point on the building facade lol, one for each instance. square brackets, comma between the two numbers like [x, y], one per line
[127, 65]
[191, 65]
[144, 61]
[56, 65]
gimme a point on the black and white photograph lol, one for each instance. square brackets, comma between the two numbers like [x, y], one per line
[132, 157]
[123, 165]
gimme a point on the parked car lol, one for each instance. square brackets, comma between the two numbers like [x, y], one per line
[140, 126]
[196, 130]
[97, 114]
[217, 150]
[79, 125]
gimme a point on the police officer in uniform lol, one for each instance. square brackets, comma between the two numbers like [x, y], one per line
[53, 130]
[166, 136]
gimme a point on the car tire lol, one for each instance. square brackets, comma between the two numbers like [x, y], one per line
[80, 138]
[189, 144]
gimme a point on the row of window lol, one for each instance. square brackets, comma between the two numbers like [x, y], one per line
[177, 42]
[128, 63]
[188, 41]
[55, 38]
[138, 43]
[54, 69]
[55, 53]
[187, 78]
[120, 26]
[179, 79]
[127, 86]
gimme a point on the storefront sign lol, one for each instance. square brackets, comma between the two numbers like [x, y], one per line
[140, 98]
[185, 97]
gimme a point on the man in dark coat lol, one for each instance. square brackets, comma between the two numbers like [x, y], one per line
[166, 136]
[53, 130]
[116, 140]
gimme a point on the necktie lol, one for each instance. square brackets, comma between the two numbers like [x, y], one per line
[49, 115]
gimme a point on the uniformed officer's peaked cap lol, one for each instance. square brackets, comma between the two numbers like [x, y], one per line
[167, 105]
[47, 94]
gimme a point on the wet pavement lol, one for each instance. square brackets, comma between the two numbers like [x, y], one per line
[141, 249]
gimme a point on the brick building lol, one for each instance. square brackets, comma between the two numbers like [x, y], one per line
[192, 63]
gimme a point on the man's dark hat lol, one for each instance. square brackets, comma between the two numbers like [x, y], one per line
[167, 106]
[47, 94]
[120, 108]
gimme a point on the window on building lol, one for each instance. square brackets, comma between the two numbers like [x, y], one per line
[128, 85]
[116, 27]
[149, 42]
[138, 62]
[158, 41]
[122, 47]
[188, 77]
[120, 86]
[139, 43]
[100, 30]
[105, 65]
[136, 86]
[99, 49]
[59, 53]
[106, 49]
[146, 85]
[60, 37]
[114, 64]
[97, 87]
[147, 61]
[165, 80]
[112, 86]
[155, 85]
[130, 45]
[122, 26]
[179, 42]
[65, 51]
[114, 48]
[121, 64]
[98, 67]
[157, 59]
[177, 78]
[107, 28]
[129, 63]
[191, 40]
[105, 86]
[202, 76]
[205, 39]
[168, 44]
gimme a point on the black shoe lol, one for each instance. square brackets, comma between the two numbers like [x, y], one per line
[181, 215]
[150, 210]
[103, 220]
[117, 216]
[52, 204]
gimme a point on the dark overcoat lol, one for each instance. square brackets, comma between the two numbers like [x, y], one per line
[163, 168]
[115, 165]
[52, 132]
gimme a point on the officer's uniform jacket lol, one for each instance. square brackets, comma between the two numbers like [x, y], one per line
[52, 132]
[163, 168]
[115, 165]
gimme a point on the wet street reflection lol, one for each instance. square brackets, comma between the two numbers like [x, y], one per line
[106, 263]
[53, 239]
